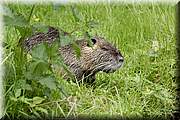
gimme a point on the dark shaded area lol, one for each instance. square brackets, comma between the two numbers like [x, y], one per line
[177, 111]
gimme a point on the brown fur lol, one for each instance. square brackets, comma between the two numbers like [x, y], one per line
[101, 56]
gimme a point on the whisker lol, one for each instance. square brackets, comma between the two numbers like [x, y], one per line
[100, 65]
[107, 67]
[97, 67]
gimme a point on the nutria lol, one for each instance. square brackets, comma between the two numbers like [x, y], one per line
[100, 56]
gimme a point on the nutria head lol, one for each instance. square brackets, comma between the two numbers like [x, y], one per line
[101, 56]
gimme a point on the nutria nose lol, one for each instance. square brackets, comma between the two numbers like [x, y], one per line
[120, 59]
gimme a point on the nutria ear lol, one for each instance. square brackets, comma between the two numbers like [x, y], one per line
[93, 40]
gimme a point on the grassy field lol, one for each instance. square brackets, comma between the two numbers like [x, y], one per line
[144, 86]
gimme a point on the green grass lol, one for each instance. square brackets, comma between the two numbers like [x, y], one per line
[144, 86]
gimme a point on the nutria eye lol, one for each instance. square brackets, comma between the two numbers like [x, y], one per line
[105, 49]
[93, 40]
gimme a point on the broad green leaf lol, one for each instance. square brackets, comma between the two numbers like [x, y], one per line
[39, 27]
[62, 90]
[37, 100]
[28, 87]
[39, 67]
[65, 40]
[52, 51]
[13, 99]
[25, 100]
[60, 62]
[17, 92]
[15, 21]
[39, 52]
[29, 74]
[48, 81]
[20, 83]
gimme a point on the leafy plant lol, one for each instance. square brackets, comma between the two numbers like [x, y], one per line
[32, 72]
[145, 86]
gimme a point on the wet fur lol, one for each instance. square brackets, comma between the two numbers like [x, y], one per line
[102, 56]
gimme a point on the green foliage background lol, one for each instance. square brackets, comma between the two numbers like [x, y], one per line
[144, 86]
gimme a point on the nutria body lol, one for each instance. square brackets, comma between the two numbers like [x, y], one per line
[101, 56]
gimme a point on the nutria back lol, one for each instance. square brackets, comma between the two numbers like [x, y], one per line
[101, 56]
